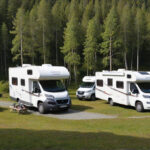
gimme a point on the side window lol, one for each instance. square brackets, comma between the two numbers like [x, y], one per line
[100, 83]
[36, 88]
[120, 84]
[22, 82]
[29, 72]
[14, 81]
[133, 88]
[110, 82]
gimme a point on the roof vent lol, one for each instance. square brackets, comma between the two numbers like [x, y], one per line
[46, 65]
[121, 70]
[26, 65]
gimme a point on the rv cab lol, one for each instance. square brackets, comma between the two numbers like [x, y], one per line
[87, 88]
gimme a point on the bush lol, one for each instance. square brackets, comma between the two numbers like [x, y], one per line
[4, 87]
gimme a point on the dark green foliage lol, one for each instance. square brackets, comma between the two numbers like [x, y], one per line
[75, 33]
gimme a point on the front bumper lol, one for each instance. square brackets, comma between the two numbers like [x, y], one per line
[84, 96]
[55, 106]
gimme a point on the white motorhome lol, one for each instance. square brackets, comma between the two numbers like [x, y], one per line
[124, 87]
[40, 87]
[87, 88]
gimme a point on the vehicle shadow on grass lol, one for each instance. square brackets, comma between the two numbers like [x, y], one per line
[3, 109]
[68, 140]
[130, 107]
[73, 109]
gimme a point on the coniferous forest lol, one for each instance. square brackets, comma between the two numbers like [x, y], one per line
[83, 35]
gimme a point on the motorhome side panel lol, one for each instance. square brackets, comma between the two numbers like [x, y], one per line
[14, 85]
[119, 91]
[111, 87]
[100, 91]
[18, 85]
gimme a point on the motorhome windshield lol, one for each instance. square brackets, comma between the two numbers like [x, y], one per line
[87, 84]
[52, 85]
[145, 87]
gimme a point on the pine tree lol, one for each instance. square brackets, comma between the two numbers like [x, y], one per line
[44, 22]
[88, 14]
[110, 43]
[4, 34]
[140, 31]
[59, 18]
[19, 25]
[71, 44]
[33, 26]
[13, 6]
[126, 31]
[3, 10]
[91, 45]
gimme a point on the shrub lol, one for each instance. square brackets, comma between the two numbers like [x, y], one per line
[4, 87]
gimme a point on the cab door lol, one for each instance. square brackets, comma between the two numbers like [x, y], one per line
[133, 94]
[35, 92]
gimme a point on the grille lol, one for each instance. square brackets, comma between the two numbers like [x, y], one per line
[80, 92]
[65, 101]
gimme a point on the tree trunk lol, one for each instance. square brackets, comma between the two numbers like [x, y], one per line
[110, 54]
[56, 49]
[75, 74]
[21, 40]
[138, 47]
[5, 59]
[125, 60]
[132, 59]
[125, 53]
[95, 62]
[44, 45]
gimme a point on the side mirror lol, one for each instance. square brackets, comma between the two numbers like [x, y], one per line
[129, 93]
[135, 91]
[36, 90]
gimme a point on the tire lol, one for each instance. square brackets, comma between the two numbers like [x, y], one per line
[41, 108]
[93, 97]
[111, 102]
[139, 107]
[66, 109]
[80, 99]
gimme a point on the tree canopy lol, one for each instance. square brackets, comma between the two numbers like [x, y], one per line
[84, 35]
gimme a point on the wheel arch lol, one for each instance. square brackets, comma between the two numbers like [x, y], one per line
[38, 102]
[137, 102]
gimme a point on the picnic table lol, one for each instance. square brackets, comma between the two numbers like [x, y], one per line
[20, 108]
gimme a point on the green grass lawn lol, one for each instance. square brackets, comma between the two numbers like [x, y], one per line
[5, 97]
[43, 133]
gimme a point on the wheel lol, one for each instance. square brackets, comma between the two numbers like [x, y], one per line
[93, 97]
[66, 109]
[111, 102]
[139, 107]
[80, 98]
[41, 108]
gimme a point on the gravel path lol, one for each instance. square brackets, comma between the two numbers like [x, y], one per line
[139, 117]
[76, 115]
[70, 115]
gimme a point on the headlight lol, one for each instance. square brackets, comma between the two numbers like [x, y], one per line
[146, 96]
[49, 97]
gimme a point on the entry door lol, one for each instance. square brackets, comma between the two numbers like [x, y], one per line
[25, 95]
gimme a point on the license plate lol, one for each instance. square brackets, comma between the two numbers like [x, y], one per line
[63, 106]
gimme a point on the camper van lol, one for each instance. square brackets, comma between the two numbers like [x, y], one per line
[124, 87]
[40, 87]
[87, 88]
